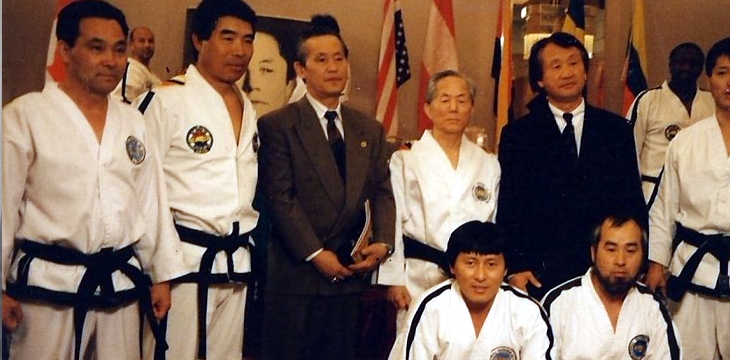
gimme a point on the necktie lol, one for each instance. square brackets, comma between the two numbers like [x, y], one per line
[336, 143]
[570, 149]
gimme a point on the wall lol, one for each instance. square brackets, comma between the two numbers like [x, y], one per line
[26, 26]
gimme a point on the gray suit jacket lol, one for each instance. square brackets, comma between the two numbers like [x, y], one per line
[309, 205]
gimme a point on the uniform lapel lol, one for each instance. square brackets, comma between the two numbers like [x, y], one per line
[317, 149]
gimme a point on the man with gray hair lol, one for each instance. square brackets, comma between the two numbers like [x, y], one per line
[457, 182]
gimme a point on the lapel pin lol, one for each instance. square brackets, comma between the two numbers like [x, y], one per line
[363, 144]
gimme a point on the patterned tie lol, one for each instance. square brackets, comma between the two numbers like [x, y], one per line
[571, 152]
[336, 143]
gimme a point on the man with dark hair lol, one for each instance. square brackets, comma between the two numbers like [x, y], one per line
[458, 182]
[138, 77]
[84, 207]
[474, 315]
[658, 114]
[564, 166]
[206, 128]
[606, 313]
[271, 78]
[322, 165]
[690, 223]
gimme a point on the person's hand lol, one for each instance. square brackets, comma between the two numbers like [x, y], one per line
[656, 278]
[161, 299]
[399, 296]
[327, 264]
[372, 255]
[520, 280]
[12, 313]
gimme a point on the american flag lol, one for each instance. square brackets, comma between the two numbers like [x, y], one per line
[393, 67]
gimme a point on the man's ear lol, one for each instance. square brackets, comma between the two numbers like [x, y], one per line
[300, 68]
[65, 50]
[427, 110]
[593, 254]
[197, 43]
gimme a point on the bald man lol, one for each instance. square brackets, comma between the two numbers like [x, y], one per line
[138, 78]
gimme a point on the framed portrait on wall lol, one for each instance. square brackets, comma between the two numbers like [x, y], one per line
[270, 81]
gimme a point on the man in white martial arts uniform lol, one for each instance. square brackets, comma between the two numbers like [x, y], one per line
[475, 316]
[138, 77]
[689, 233]
[206, 128]
[84, 211]
[443, 181]
[658, 114]
[606, 314]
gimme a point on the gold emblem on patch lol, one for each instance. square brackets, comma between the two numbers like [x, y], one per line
[200, 140]
[480, 192]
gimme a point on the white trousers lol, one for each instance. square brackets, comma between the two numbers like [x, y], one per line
[702, 322]
[226, 303]
[47, 333]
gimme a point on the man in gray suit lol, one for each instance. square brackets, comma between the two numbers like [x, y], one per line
[320, 161]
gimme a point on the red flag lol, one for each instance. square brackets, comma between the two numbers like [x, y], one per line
[55, 68]
[503, 57]
[393, 67]
[635, 68]
[439, 52]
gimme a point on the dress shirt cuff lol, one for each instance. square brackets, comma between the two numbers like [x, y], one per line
[314, 254]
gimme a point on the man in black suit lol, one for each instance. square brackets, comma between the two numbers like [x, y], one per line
[565, 165]
[319, 162]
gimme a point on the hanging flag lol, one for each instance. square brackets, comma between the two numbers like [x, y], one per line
[635, 72]
[503, 57]
[575, 20]
[55, 68]
[439, 52]
[393, 67]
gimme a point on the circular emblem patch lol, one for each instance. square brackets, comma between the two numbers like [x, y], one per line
[200, 139]
[135, 150]
[503, 353]
[480, 192]
[638, 346]
[671, 131]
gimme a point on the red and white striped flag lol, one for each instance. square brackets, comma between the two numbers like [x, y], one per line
[55, 68]
[439, 52]
[393, 67]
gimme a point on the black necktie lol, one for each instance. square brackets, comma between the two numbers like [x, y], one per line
[336, 143]
[570, 149]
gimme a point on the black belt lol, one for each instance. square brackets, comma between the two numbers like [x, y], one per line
[415, 249]
[99, 269]
[717, 245]
[205, 277]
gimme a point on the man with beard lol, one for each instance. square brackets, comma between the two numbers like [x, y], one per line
[606, 313]
[659, 113]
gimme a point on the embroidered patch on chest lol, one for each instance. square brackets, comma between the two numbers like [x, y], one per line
[199, 139]
[135, 150]
[503, 353]
[638, 347]
[480, 192]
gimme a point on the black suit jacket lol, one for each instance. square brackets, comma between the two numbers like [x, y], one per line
[548, 207]
[309, 206]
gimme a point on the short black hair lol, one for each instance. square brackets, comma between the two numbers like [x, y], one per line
[69, 18]
[286, 41]
[208, 13]
[618, 220]
[720, 48]
[564, 40]
[687, 46]
[320, 25]
[478, 237]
